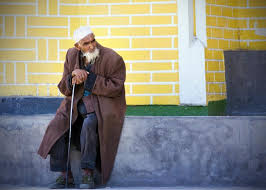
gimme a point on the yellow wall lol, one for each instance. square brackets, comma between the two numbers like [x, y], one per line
[35, 37]
[231, 24]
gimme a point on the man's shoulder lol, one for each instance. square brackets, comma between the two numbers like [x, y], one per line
[72, 51]
[110, 52]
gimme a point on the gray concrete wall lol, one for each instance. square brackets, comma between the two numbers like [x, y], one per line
[153, 151]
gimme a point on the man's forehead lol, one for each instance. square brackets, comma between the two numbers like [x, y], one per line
[89, 37]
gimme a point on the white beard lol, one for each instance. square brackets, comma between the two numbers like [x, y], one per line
[91, 56]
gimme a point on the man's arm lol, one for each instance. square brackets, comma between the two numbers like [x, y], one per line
[69, 77]
[111, 86]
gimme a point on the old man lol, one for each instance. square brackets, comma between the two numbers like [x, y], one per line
[98, 111]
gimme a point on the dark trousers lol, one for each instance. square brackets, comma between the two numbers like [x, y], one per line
[89, 143]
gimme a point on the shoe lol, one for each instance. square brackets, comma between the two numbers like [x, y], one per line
[87, 182]
[60, 183]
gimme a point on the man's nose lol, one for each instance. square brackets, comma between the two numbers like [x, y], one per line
[91, 47]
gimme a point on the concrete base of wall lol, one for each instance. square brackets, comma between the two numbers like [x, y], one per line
[153, 151]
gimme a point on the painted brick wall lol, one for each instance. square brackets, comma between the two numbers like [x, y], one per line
[35, 35]
[231, 24]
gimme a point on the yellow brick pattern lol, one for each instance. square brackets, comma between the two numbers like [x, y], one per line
[9, 26]
[84, 10]
[167, 8]
[35, 35]
[138, 77]
[17, 55]
[20, 26]
[149, 46]
[53, 90]
[45, 67]
[20, 74]
[17, 43]
[47, 32]
[17, 9]
[115, 42]
[172, 100]
[52, 50]
[144, 32]
[130, 9]
[109, 21]
[151, 42]
[53, 7]
[76, 22]
[164, 31]
[164, 77]
[138, 100]
[153, 89]
[152, 20]
[1, 67]
[19, 90]
[42, 47]
[42, 91]
[10, 71]
[42, 7]
[233, 25]
[135, 55]
[257, 3]
[151, 66]
[45, 78]
[134, 31]
[47, 21]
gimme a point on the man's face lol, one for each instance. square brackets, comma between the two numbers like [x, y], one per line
[88, 43]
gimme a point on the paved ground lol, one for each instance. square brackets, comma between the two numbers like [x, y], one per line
[12, 187]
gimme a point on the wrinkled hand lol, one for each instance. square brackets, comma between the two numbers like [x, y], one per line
[79, 76]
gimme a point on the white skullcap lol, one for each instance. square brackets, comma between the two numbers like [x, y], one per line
[81, 32]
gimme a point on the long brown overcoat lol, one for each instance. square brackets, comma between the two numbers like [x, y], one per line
[108, 95]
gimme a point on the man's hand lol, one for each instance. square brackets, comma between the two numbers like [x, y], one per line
[79, 76]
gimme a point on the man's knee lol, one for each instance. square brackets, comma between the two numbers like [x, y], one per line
[90, 122]
[59, 148]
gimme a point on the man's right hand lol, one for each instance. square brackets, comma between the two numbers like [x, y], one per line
[79, 76]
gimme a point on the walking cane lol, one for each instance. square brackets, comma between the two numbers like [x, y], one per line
[70, 126]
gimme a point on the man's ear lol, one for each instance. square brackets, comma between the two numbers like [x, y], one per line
[77, 46]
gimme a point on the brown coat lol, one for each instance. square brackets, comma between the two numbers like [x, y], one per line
[109, 102]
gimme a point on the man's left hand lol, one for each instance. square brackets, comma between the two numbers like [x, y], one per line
[78, 80]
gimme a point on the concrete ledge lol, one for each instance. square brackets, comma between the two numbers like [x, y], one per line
[27, 105]
[153, 151]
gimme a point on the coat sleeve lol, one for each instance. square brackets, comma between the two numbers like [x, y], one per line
[112, 85]
[65, 85]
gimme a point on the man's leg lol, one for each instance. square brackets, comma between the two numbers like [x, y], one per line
[58, 162]
[89, 144]
[58, 155]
